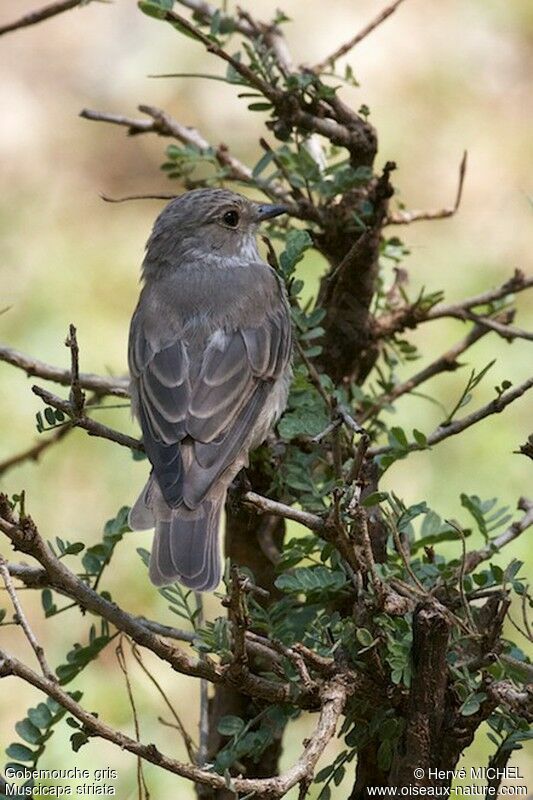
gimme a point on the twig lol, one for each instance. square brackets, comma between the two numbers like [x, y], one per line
[90, 425]
[141, 782]
[267, 506]
[77, 397]
[35, 451]
[40, 15]
[457, 426]
[203, 720]
[189, 743]
[23, 621]
[126, 198]
[412, 315]
[461, 576]
[514, 530]
[406, 217]
[313, 375]
[363, 33]
[358, 137]
[117, 387]
[447, 362]
[403, 556]
[163, 124]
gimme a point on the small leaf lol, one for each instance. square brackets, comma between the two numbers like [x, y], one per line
[20, 752]
[364, 637]
[230, 725]
[28, 731]
[77, 740]
[40, 716]
[374, 498]
[420, 438]
[47, 600]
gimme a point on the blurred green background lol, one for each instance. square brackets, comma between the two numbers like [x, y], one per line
[439, 77]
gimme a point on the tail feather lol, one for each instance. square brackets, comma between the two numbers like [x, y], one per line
[186, 548]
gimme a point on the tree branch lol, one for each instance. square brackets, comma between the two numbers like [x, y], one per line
[475, 557]
[117, 387]
[447, 362]
[412, 315]
[164, 125]
[82, 421]
[363, 33]
[495, 406]
[40, 15]
[34, 452]
[333, 699]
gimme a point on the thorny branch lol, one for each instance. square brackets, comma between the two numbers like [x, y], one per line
[447, 362]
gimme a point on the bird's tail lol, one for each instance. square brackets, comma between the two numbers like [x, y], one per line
[186, 546]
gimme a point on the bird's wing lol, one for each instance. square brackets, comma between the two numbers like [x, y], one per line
[216, 410]
[160, 380]
[238, 374]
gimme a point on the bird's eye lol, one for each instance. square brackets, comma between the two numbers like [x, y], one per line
[231, 218]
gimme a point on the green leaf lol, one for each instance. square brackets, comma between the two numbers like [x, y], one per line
[374, 499]
[420, 438]
[364, 637]
[312, 581]
[28, 731]
[77, 740]
[263, 163]
[20, 752]
[472, 703]
[156, 8]
[40, 716]
[74, 549]
[47, 601]
[230, 725]
[324, 773]
[296, 243]
[259, 106]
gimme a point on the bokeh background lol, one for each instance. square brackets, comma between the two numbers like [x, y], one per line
[439, 77]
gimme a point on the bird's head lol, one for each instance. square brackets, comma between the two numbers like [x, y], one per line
[211, 226]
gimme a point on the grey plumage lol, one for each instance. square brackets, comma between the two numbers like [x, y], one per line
[209, 358]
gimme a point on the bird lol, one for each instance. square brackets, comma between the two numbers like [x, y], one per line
[209, 353]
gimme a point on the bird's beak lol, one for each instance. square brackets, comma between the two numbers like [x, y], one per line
[268, 210]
